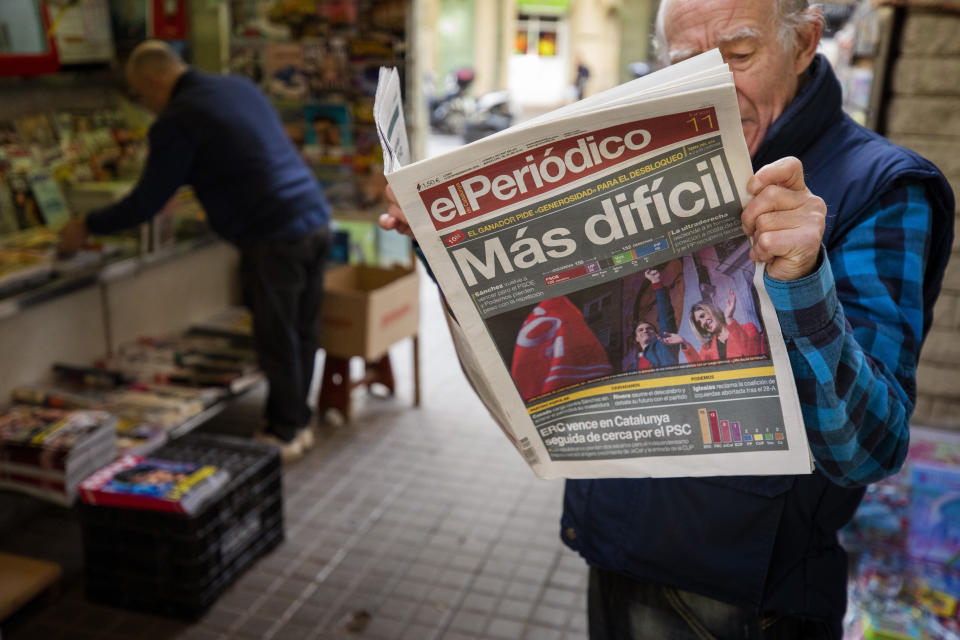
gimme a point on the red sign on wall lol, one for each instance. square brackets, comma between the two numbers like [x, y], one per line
[170, 19]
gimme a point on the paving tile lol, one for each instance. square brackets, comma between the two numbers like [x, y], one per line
[522, 591]
[431, 613]
[447, 595]
[454, 578]
[386, 628]
[568, 579]
[199, 633]
[561, 597]
[479, 603]
[542, 633]
[550, 616]
[489, 585]
[418, 632]
[506, 629]
[469, 622]
[515, 609]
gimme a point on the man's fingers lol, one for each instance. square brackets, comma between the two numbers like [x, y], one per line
[786, 172]
[795, 243]
[774, 221]
[390, 195]
[775, 199]
[389, 222]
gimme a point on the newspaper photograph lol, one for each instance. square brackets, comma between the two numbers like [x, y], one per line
[604, 304]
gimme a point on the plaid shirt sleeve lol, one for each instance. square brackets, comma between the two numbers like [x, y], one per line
[853, 330]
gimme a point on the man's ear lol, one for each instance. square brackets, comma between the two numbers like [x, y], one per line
[808, 37]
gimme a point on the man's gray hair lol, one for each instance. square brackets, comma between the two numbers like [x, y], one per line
[791, 16]
[154, 55]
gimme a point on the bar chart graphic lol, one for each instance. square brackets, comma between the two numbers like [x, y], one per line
[595, 266]
[718, 431]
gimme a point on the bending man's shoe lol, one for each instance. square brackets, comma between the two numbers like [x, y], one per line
[289, 451]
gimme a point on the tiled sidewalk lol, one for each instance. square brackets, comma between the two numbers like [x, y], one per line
[406, 524]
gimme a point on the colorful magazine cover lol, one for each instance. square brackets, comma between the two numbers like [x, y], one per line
[135, 437]
[326, 65]
[54, 438]
[246, 59]
[149, 483]
[285, 78]
[328, 131]
[49, 428]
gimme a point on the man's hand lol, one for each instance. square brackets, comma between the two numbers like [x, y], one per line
[672, 338]
[784, 220]
[393, 219]
[72, 236]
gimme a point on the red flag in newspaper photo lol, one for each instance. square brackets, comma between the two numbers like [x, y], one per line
[555, 348]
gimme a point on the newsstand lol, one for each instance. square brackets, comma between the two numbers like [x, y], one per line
[177, 565]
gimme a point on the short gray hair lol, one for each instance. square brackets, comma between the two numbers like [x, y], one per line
[154, 55]
[791, 16]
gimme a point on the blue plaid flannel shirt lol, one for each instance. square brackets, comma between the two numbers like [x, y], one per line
[853, 330]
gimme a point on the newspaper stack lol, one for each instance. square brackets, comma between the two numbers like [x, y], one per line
[47, 452]
[601, 295]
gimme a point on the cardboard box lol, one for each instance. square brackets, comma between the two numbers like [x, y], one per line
[366, 309]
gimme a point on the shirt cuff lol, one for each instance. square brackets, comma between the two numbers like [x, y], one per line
[807, 305]
[90, 222]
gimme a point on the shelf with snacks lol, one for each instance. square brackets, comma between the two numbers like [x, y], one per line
[319, 61]
[55, 165]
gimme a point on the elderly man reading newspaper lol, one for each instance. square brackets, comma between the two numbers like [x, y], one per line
[855, 233]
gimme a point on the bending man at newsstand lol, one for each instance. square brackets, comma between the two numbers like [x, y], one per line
[855, 233]
[220, 135]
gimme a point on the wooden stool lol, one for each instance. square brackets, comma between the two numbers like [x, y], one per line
[337, 384]
[22, 579]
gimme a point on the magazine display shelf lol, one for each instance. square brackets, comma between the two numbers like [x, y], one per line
[110, 271]
[82, 316]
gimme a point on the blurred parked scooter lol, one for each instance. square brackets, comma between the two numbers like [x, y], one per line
[492, 113]
[449, 111]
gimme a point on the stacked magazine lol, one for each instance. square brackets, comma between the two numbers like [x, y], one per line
[235, 324]
[47, 452]
[600, 292]
[146, 412]
[193, 360]
[150, 483]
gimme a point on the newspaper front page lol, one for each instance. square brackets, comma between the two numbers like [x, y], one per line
[604, 305]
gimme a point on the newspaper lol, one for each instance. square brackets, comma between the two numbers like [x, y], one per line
[600, 292]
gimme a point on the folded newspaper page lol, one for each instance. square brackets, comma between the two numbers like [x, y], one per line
[603, 302]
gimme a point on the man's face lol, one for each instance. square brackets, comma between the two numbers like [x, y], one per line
[148, 90]
[645, 334]
[764, 72]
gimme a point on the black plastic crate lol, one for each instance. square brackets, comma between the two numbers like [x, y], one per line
[175, 564]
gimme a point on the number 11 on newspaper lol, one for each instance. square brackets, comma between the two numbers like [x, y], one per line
[606, 308]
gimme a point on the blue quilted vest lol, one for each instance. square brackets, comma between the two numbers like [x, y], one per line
[770, 542]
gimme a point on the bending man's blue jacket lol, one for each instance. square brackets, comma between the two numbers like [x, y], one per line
[221, 135]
